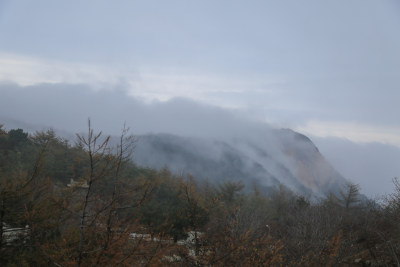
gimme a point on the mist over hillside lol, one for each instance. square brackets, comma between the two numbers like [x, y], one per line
[281, 157]
[186, 136]
[287, 158]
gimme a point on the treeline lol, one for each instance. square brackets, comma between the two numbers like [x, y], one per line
[88, 204]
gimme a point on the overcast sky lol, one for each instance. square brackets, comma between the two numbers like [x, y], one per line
[311, 65]
[324, 68]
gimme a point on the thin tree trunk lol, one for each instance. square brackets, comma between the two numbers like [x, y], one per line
[2, 213]
[83, 216]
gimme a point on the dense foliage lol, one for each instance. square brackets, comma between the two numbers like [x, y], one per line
[114, 213]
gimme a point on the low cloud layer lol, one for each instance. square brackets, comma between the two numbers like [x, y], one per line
[288, 62]
[360, 108]
[67, 107]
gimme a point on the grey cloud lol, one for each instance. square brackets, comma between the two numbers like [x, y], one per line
[286, 37]
[340, 59]
[67, 107]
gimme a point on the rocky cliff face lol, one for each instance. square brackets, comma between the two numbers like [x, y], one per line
[308, 165]
[277, 157]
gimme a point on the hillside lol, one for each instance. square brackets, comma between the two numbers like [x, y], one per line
[114, 211]
[283, 157]
[265, 157]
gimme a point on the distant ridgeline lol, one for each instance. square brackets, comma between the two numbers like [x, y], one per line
[270, 160]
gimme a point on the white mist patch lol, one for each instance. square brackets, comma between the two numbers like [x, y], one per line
[146, 84]
[26, 71]
[355, 132]
[67, 107]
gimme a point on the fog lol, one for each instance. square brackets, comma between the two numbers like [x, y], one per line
[68, 107]
[372, 165]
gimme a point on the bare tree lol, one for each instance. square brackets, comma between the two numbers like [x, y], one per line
[97, 150]
[110, 197]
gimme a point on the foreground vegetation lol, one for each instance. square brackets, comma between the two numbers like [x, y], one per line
[114, 213]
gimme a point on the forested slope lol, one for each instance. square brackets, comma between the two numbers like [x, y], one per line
[115, 213]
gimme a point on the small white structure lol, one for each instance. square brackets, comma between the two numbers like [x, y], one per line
[11, 234]
[78, 184]
[145, 237]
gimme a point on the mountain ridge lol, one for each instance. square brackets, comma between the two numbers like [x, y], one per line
[267, 159]
[298, 166]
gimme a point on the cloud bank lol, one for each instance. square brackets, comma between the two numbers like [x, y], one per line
[67, 107]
